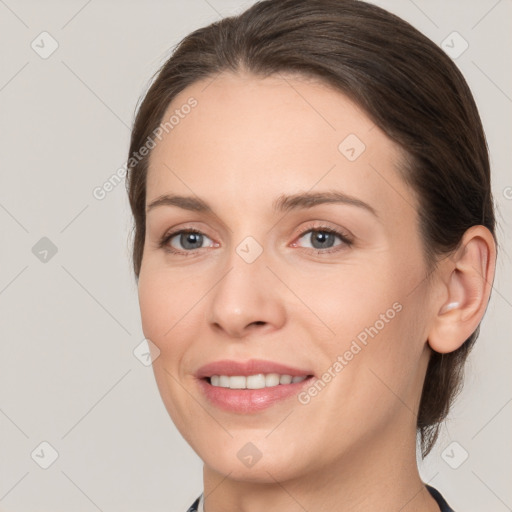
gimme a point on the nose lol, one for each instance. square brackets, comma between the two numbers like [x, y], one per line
[247, 299]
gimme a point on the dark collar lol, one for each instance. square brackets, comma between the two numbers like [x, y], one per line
[439, 499]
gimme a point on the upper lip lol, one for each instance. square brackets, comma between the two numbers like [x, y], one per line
[249, 367]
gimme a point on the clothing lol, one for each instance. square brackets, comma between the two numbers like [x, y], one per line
[436, 495]
[198, 506]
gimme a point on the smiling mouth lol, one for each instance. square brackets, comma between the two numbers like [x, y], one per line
[256, 381]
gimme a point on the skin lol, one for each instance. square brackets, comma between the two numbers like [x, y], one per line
[352, 447]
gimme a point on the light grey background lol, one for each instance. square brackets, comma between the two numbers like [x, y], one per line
[69, 326]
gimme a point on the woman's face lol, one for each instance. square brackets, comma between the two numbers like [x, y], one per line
[264, 280]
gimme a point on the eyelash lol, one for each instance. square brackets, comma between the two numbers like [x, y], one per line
[347, 241]
[163, 244]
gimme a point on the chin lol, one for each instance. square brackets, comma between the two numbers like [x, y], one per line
[262, 472]
[256, 462]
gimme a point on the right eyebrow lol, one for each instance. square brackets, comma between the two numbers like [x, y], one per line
[186, 202]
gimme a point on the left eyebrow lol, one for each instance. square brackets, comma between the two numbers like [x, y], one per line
[310, 199]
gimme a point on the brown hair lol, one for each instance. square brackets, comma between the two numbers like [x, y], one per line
[404, 82]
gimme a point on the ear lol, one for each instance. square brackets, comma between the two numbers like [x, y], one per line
[467, 277]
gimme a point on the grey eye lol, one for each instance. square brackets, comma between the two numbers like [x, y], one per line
[189, 240]
[320, 238]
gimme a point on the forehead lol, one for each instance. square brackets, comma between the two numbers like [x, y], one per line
[249, 139]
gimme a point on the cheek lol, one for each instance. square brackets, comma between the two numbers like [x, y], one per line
[163, 307]
[350, 298]
[371, 312]
[164, 318]
[152, 307]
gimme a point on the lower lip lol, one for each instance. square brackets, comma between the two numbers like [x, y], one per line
[250, 400]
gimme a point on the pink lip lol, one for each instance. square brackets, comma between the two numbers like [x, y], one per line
[250, 367]
[248, 401]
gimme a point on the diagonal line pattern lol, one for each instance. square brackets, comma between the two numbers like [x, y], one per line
[106, 105]
[13, 13]
[412, 290]
[96, 300]
[493, 287]
[424, 13]
[391, 186]
[492, 81]
[508, 508]
[81, 490]
[12, 280]
[14, 485]
[76, 14]
[14, 76]
[74, 218]
[14, 218]
[14, 423]
[412, 412]
[207, 2]
[422, 488]
[230, 269]
[485, 15]
[282, 421]
[486, 424]
[429, 273]
[216, 487]
[210, 82]
[103, 396]
[197, 401]
[287, 492]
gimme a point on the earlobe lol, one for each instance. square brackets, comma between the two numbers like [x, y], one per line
[467, 286]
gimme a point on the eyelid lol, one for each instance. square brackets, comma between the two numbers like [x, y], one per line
[164, 242]
[344, 235]
[323, 225]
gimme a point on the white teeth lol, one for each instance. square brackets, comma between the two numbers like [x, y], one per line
[237, 382]
[272, 379]
[285, 379]
[224, 381]
[257, 381]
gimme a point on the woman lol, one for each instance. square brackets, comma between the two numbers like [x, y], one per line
[314, 247]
